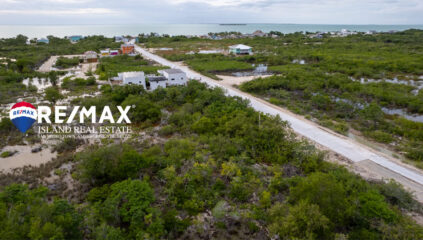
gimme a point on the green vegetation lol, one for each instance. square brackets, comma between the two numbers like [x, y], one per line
[111, 66]
[78, 83]
[215, 173]
[327, 88]
[211, 64]
[6, 154]
[22, 60]
[63, 62]
[26, 214]
[9, 134]
[30, 56]
[203, 166]
[339, 103]
[53, 95]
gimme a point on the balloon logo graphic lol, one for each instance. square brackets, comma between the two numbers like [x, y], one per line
[23, 115]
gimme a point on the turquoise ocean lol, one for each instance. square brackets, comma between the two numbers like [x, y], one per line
[38, 31]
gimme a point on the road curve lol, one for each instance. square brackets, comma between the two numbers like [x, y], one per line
[342, 145]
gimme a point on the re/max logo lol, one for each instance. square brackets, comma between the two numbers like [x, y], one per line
[19, 112]
[61, 113]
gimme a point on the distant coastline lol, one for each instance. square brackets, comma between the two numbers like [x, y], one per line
[42, 31]
[233, 24]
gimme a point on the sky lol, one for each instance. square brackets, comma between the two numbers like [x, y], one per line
[211, 11]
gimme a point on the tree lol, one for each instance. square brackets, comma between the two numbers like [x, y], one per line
[27, 214]
[53, 95]
[373, 113]
[300, 221]
[128, 202]
[53, 78]
[144, 109]
[109, 164]
[323, 190]
[6, 126]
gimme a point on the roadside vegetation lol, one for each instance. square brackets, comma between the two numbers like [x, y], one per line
[346, 84]
[212, 171]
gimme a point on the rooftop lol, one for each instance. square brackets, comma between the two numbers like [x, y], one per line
[157, 78]
[172, 70]
[89, 52]
[240, 46]
[132, 74]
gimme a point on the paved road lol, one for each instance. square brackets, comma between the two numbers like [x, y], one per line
[342, 145]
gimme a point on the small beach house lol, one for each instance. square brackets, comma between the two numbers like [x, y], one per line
[174, 76]
[90, 57]
[156, 82]
[114, 52]
[75, 38]
[135, 78]
[167, 77]
[43, 40]
[105, 53]
[121, 39]
[241, 49]
[259, 33]
[127, 48]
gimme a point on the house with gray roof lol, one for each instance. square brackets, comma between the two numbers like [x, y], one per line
[174, 76]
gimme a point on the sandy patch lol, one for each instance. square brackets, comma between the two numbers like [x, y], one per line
[85, 68]
[24, 157]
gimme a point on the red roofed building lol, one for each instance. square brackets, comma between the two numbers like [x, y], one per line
[127, 48]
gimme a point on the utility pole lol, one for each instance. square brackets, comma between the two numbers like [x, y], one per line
[109, 76]
[259, 119]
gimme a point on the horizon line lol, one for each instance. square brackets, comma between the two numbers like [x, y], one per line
[229, 23]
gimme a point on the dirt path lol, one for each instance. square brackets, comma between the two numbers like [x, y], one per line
[47, 65]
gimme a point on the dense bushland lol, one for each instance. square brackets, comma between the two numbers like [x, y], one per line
[214, 172]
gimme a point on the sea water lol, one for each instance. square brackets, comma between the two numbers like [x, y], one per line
[39, 31]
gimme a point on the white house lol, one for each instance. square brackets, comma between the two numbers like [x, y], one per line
[241, 49]
[121, 39]
[157, 81]
[135, 78]
[174, 76]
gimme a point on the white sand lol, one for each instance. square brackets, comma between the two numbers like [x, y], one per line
[25, 157]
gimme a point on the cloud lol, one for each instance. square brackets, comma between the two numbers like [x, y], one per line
[218, 3]
[52, 12]
[46, 1]
[211, 11]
